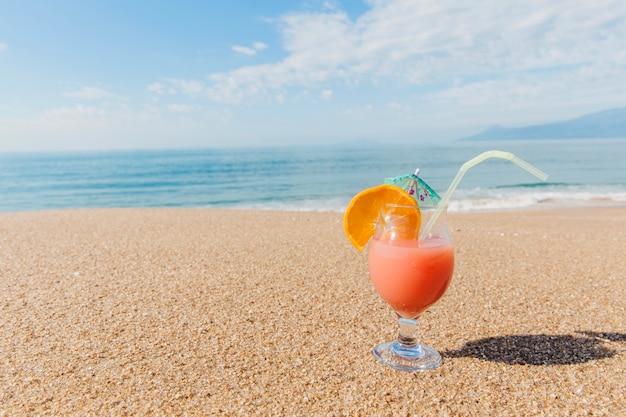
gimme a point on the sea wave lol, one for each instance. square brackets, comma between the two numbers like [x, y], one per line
[307, 179]
[494, 199]
[551, 196]
[310, 205]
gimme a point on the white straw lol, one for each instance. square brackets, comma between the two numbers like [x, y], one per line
[464, 168]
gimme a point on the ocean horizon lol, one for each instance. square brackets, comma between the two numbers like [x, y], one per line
[582, 172]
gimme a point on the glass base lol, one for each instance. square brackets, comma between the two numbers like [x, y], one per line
[417, 358]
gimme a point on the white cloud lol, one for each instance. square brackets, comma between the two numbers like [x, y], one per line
[399, 107]
[92, 127]
[244, 50]
[181, 108]
[65, 119]
[172, 86]
[434, 64]
[435, 42]
[91, 93]
[187, 87]
[71, 113]
[160, 89]
[259, 46]
[403, 63]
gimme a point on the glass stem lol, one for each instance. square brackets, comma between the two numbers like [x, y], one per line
[406, 335]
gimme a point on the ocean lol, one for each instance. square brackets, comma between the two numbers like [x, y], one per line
[313, 178]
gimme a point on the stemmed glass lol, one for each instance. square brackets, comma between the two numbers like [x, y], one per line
[411, 273]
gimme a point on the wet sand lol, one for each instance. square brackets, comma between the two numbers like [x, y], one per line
[214, 312]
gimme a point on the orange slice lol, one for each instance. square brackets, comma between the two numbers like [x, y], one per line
[363, 211]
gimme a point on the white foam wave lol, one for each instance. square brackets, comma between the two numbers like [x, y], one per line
[477, 199]
[512, 200]
[311, 205]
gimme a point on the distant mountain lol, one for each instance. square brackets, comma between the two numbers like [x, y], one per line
[603, 124]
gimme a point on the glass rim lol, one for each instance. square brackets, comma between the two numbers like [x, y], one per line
[418, 206]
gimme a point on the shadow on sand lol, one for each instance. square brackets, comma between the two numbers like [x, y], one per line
[541, 349]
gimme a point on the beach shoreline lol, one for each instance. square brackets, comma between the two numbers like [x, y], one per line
[192, 311]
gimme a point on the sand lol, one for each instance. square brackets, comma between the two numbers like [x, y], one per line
[211, 312]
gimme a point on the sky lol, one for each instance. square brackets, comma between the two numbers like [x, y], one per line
[116, 74]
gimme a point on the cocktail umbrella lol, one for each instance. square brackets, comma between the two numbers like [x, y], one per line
[415, 186]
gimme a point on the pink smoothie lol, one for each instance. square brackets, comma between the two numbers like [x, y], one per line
[409, 275]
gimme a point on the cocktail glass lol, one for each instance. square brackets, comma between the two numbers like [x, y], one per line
[411, 272]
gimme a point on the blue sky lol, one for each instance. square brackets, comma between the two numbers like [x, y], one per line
[118, 74]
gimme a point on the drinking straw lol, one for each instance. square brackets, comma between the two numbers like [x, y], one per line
[464, 168]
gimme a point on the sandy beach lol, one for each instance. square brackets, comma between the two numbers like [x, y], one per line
[114, 312]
